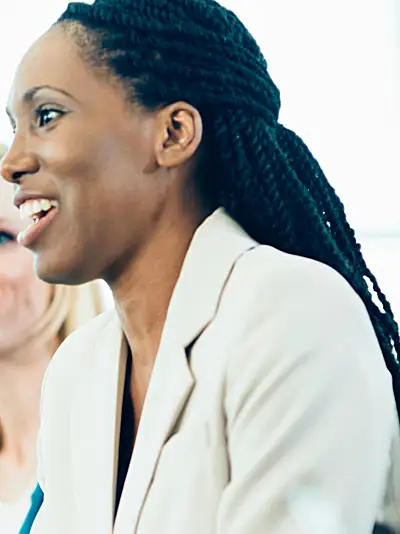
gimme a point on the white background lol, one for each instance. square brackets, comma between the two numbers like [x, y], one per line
[337, 63]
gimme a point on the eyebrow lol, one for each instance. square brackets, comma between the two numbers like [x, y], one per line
[30, 94]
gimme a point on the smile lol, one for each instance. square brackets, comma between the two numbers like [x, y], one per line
[41, 213]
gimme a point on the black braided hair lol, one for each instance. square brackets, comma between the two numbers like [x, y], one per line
[264, 175]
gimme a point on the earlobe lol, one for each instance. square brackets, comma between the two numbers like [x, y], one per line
[180, 132]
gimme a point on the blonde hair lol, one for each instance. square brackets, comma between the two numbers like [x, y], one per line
[70, 308]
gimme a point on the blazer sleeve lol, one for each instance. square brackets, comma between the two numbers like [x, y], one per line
[41, 523]
[58, 390]
[309, 407]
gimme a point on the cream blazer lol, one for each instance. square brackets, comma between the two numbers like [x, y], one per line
[269, 410]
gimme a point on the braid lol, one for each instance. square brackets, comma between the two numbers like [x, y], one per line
[266, 177]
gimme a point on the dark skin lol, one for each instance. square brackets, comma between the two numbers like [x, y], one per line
[123, 177]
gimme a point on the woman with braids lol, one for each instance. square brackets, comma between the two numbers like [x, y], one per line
[247, 380]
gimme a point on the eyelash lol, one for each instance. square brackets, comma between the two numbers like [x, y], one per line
[38, 116]
[40, 111]
[6, 238]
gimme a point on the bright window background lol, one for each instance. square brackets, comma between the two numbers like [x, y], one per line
[337, 64]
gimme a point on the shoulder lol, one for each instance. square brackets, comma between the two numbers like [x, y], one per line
[78, 350]
[268, 280]
[84, 337]
[288, 311]
[298, 332]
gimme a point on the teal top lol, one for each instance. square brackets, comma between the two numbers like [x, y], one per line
[37, 500]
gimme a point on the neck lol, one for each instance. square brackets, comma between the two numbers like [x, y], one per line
[21, 375]
[143, 292]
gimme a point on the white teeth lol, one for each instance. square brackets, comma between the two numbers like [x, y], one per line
[31, 209]
[36, 206]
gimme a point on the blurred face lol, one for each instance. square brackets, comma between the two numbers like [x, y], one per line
[88, 158]
[24, 298]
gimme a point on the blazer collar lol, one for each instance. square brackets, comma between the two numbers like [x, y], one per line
[215, 247]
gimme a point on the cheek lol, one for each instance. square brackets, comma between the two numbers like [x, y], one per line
[82, 148]
[24, 297]
[15, 263]
[102, 183]
[103, 154]
[65, 153]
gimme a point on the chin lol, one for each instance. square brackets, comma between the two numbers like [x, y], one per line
[63, 271]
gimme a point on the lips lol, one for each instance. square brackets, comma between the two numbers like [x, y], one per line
[40, 211]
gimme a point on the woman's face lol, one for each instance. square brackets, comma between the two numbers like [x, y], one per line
[23, 297]
[79, 143]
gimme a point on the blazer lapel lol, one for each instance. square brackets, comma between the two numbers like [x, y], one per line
[169, 389]
[94, 425]
[214, 250]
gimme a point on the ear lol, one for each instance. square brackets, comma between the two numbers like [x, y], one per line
[179, 131]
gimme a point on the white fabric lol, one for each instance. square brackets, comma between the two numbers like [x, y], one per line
[269, 410]
[13, 514]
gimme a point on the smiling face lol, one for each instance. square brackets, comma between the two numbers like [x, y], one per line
[24, 298]
[100, 160]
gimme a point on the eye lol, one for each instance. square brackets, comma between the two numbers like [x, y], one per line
[45, 115]
[6, 238]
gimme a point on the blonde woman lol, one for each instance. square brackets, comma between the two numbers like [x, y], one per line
[34, 319]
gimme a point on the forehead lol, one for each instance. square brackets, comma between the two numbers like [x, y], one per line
[54, 61]
[53, 58]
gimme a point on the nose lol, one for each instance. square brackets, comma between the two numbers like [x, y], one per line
[15, 165]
